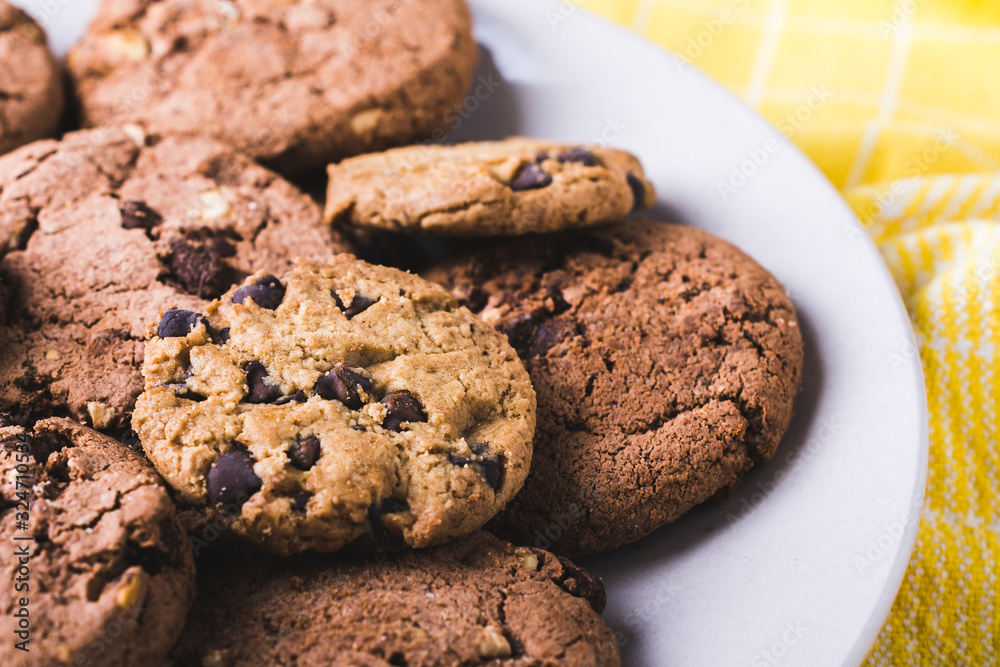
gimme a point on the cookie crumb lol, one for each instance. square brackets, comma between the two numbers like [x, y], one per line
[133, 593]
[492, 644]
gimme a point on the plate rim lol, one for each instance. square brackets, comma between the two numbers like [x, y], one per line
[790, 151]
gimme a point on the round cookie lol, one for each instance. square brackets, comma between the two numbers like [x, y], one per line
[103, 230]
[31, 87]
[95, 553]
[295, 84]
[515, 186]
[341, 402]
[666, 362]
[476, 601]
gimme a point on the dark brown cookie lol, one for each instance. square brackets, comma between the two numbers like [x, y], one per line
[665, 361]
[104, 230]
[296, 84]
[97, 566]
[476, 601]
[31, 88]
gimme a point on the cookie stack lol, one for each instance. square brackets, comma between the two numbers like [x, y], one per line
[228, 440]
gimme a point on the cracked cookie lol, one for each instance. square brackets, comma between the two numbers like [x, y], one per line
[341, 403]
[103, 230]
[515, 186]
[104, 567]
[31, 87]
[666, 362]
[476, 601]
[295, 84]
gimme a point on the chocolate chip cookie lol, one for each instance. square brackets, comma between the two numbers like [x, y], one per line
[97, 566]
[296, 84]
[516, 186]
[31, 88]
[476, 601]
[666, 362]
[103, 230]
[338, 403]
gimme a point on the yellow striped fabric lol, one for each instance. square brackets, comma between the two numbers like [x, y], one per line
[899, 104]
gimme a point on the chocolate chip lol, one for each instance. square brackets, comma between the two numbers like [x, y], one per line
[580, 156]
[530, 177]
[232, 479]
[548, 335]
[182, 391]
[223, 335]
[179, 323]
[267, 293]
[359, 304]
[489, 467]
[541, 157]
[359, 428]
[199, 267]
[344, 385]
[43, 445]
[520, 329]
[638, 191]
[304, 454]
[492, 470]
[259, 391]
[297, 397]
[402, 408]
[300, 500]
[137, 215]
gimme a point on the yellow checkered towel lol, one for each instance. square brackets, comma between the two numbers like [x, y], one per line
[899, 104]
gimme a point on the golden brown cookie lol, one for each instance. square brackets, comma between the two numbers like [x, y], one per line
[296, 84]
[515, 186]
[98, 568]
[341, 401]
[666, 363]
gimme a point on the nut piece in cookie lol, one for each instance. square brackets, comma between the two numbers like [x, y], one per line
[478, 600]
[340, 403]
[516, 186]
[666, 363]
[106, 568]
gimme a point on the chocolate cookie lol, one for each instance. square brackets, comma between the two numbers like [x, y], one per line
[97, 566]
[343, 401]
[516, 186]
[666, 362]
[105, 229]
[296, 84]
[472, 602]
[31, 88]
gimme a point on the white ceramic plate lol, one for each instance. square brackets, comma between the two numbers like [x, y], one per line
[801, 565]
